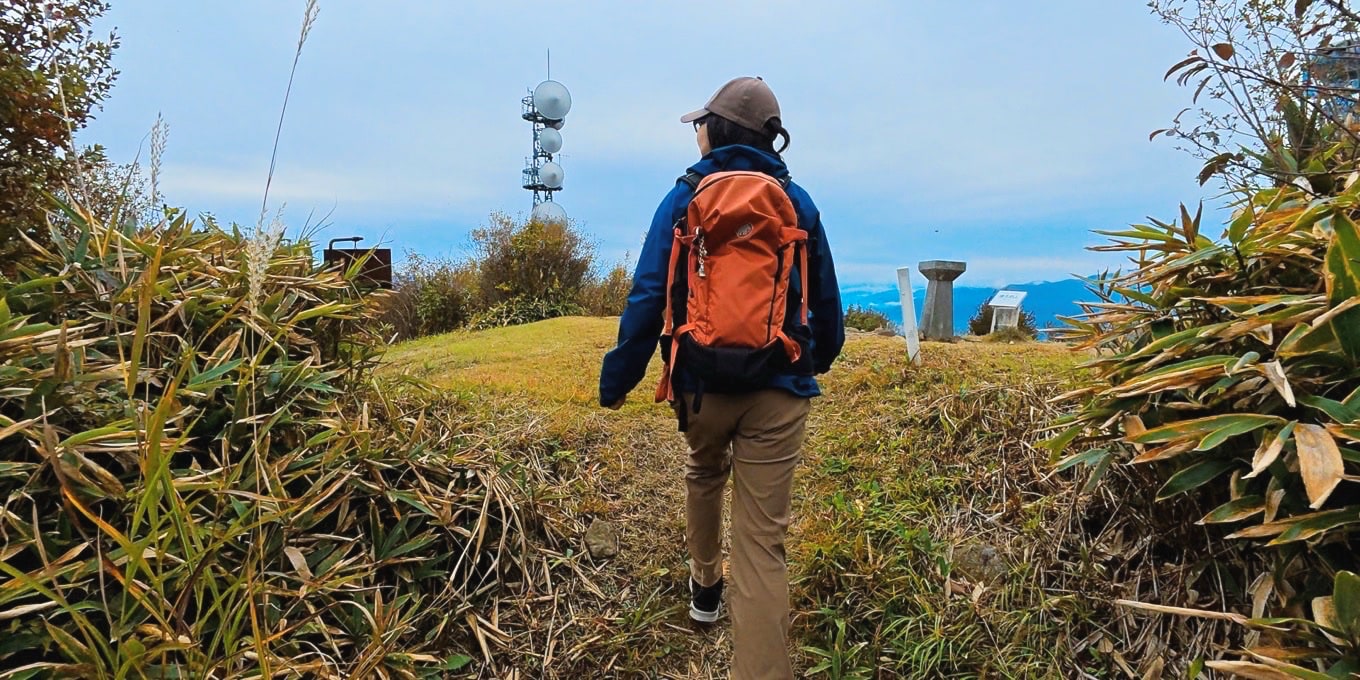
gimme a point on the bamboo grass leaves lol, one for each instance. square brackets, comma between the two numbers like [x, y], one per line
[1235, 356]
[193, 486]
[1230, 369]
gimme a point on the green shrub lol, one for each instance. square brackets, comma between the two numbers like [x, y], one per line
[548, 261]
[608, 295]
[981, 323]
[1015, 334]
[522, 310]
[431, 296]
[1230, 367]
[866, 319]
[516, 273]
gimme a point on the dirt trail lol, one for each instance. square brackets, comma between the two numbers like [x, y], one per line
[625, 616]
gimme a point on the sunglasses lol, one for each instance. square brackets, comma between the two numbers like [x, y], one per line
[699, 123]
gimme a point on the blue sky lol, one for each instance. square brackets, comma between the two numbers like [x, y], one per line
[996, 132]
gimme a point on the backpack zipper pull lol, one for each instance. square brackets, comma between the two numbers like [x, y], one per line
[703, 252]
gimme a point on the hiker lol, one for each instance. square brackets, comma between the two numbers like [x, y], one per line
[736, 284]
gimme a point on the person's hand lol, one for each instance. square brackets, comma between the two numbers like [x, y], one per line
[618, 404]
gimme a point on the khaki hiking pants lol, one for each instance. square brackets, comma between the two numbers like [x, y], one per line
[755, 439]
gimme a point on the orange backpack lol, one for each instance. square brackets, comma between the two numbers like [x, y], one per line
[731, 262]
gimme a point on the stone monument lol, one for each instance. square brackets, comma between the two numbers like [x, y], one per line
[937, 319]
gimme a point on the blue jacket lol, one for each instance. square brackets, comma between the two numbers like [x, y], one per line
[640, 328]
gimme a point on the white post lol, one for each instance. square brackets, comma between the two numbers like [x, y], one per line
[908, 315]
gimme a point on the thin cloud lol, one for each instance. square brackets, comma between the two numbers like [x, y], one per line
[316, 185]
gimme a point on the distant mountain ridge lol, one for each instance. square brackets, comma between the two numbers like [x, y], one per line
[1047, 300]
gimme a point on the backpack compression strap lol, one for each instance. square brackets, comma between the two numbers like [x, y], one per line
[665, 391]
[792, 348]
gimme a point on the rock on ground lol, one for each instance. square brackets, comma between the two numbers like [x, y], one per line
[979, 562]
[602, 539]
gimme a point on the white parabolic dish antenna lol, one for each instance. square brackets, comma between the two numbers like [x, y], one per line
[548, 212]
[552, 100]
[550, 140]
[551, 175]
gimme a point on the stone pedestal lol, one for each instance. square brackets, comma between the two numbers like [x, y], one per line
[937, 320]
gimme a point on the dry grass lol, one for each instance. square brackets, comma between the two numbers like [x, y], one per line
[627, 614]
[194, 486]
[908, 473]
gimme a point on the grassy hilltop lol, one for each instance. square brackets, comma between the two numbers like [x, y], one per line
[921, 543]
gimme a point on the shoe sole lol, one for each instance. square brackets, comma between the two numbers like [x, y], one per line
[704, 617]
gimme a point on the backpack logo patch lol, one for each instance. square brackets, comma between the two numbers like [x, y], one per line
[745, 230]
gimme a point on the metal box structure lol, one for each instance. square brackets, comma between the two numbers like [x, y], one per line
[376, 270]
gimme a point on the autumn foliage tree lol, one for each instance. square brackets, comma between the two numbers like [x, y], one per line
[53, 74]
[1274, 90]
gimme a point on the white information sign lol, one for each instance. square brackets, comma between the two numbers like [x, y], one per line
[1008, 298]
[908, 315]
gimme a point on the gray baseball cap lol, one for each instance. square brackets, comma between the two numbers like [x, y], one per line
[746, 101]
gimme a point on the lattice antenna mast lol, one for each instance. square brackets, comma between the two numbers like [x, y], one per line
[546, 109]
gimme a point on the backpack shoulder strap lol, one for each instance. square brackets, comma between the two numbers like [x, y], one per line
[784, 183]
[693, 179]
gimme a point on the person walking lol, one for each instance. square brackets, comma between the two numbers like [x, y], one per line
[736, 284]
